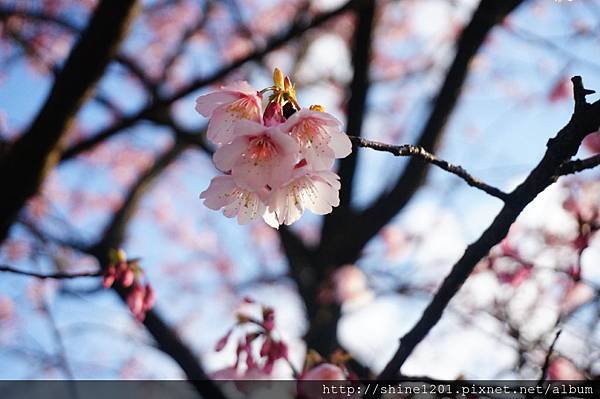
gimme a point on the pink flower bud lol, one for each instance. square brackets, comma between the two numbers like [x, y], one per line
[149, 297]
[266, 347]
[135, 299]
[109, 277]
[268, 318]
[223, 341]
[127, 278]
[322, 372]
[273, 115]
[122, 266]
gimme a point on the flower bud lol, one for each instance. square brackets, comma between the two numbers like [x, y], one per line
[135, 299]
[273, 114]
[109, 277]
[278, 78]
[149, 297]
[127, 278]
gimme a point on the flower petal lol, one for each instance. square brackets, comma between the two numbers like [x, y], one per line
[206, 104]
[226, 156]
[340, 144]
[219, 192]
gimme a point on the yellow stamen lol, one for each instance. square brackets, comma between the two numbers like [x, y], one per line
[317, 107]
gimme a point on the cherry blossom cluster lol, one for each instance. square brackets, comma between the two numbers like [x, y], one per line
[129, 274]
[276, 156]
[316, 368]
[255, 331]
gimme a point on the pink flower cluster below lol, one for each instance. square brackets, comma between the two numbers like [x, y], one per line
[277, 162]
[128, 274]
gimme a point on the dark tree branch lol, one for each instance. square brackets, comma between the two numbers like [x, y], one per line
[299, 28]
[561, 148]
[58, 276]
[322, 334]
[161, 105]
[579, 165]
[99, 137]
[67, 25]
[419, 152]
[36, 152]
[548, 357]
[346, 248]
[114, 233]
[356, 108]
[187, 34]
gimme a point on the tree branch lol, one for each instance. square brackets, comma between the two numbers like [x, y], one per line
[356, 109]
[585, 120]
[273, 43]
[579, 165]
[420, 152]
[114, 233]
[58, 276]
[346, 248]
[546, 364]
[67, 25]
[37, 151]
[97, 138]
[160, 105]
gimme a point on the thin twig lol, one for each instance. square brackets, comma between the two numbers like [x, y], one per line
[579, 165]
[58, 276]
[548, 356]
[409, 150]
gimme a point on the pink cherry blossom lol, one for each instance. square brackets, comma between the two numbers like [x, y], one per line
[224, 193]
[317, 191]
[320, 137]
[351, 285]
[324, 372]
[227, 373]
[259, 156]
[563, 369]
[592, 142]
[226, 107]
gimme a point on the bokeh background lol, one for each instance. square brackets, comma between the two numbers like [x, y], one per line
[516, 95]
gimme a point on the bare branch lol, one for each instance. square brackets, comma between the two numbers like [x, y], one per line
[97, 138]
[356, 109]
[36, 152]
[579, 165]
[548, 356]
[67, 25]
[114, 233]
[297, 29]
[56, 276]
[159, 105]
[419, 152]
[585, 120]
[345, 248]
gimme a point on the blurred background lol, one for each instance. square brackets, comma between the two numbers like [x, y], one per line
[137, 159]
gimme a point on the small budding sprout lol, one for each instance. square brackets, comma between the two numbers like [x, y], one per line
[277, 161]
[129, 274]
[258, 333]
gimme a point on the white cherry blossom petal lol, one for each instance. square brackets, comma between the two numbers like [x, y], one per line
[223, 193]
[316, 191]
